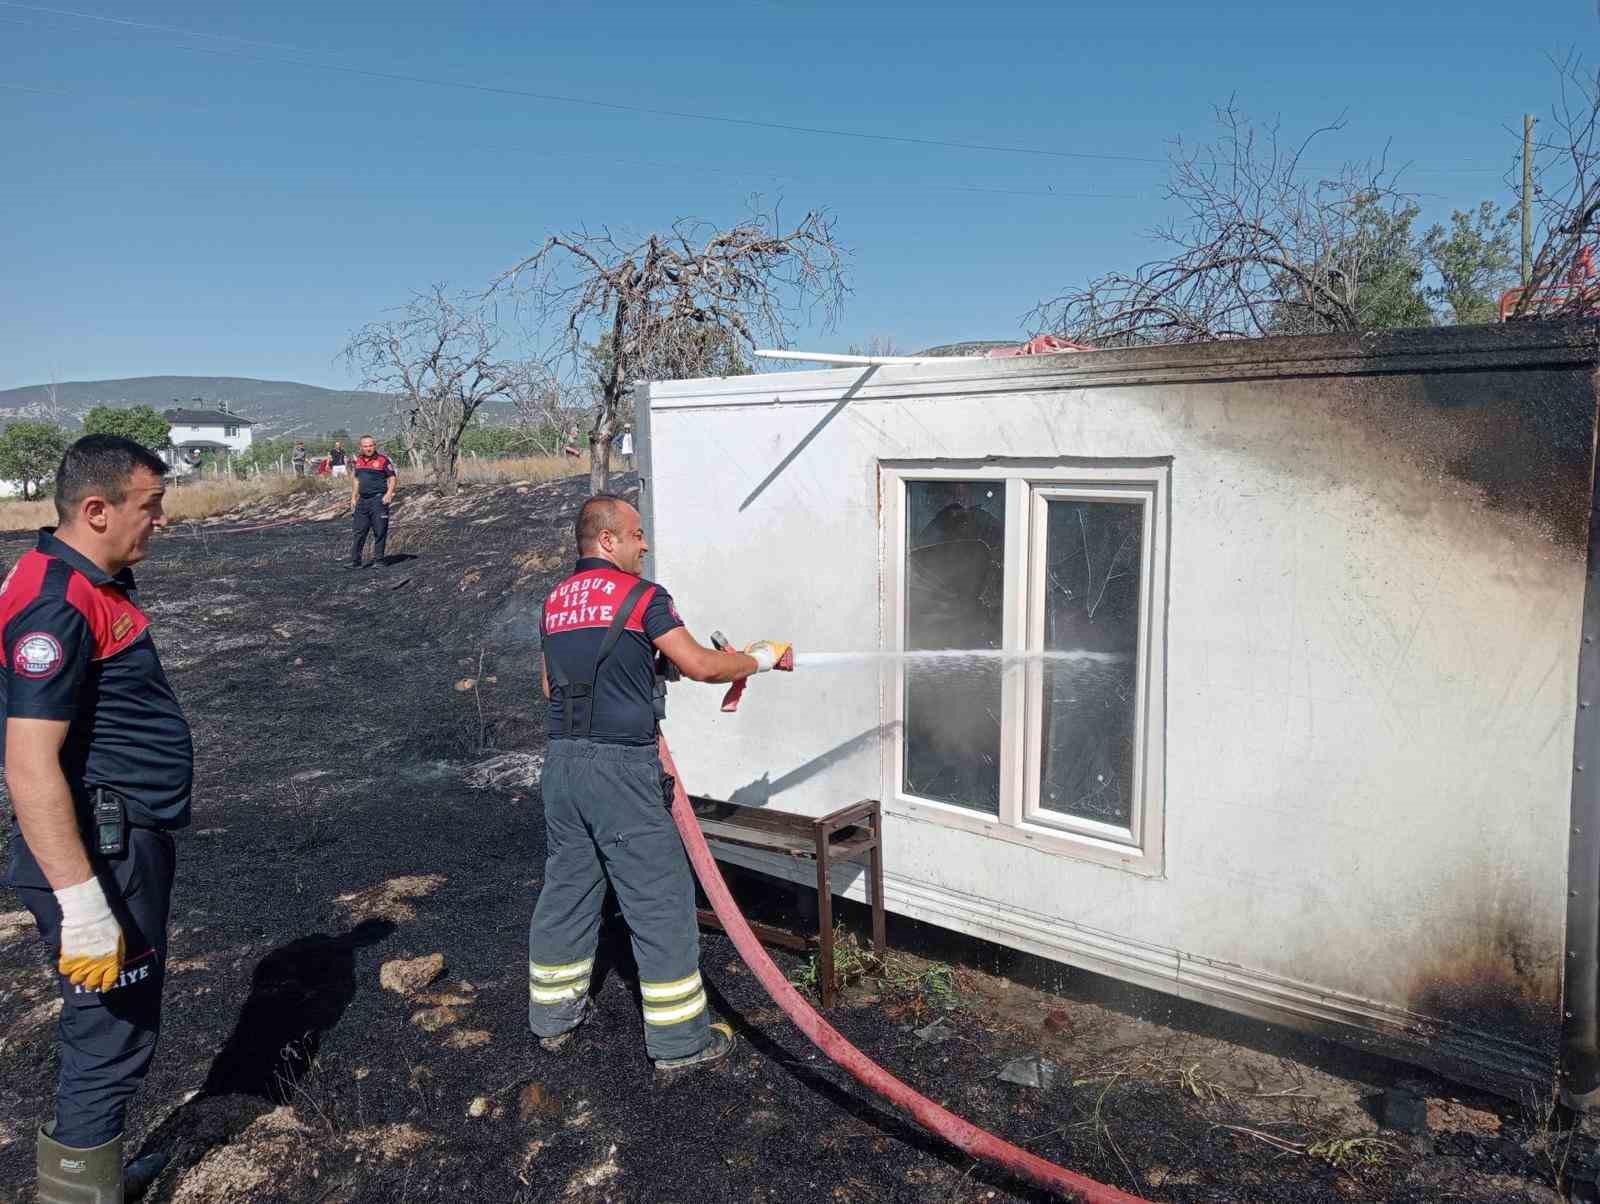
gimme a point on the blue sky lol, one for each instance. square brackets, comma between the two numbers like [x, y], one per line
[179, 203]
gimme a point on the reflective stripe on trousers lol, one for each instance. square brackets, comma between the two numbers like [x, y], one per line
[554, 984]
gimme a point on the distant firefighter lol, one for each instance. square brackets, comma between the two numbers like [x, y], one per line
[371, 494]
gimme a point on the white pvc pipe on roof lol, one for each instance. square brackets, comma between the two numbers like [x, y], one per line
[821, 357]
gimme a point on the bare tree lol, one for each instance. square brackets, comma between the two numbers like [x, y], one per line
[543, 406]
[1566, 199]
[878, 344]
[1262, 245]
[439, 363]
[675, 304]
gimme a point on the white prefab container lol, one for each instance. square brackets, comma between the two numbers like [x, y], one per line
[1307, 743]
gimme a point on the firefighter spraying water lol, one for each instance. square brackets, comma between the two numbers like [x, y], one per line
[610, 639]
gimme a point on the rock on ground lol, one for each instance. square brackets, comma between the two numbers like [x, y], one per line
[407, 976]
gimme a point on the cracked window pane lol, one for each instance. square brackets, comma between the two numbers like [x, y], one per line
[1094, 557]
[955, 576]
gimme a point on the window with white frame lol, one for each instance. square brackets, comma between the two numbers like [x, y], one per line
[1030, 599]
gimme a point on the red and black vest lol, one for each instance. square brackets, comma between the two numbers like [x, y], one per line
[598, 630]
[372, 474]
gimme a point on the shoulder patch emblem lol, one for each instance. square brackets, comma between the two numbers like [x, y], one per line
[122, 626]
[38, 655]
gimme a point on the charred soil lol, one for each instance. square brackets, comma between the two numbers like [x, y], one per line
[342, 822]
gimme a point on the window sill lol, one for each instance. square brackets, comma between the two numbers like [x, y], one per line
[1147, 864]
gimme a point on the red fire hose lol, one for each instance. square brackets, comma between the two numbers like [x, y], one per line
[962, 1134]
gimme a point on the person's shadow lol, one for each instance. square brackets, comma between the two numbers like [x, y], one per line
[298, 992]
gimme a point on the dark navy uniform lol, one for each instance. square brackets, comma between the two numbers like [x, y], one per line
[77, 647]
[371, 513]
[606, 814]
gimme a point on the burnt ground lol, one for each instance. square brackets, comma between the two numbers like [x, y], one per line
[338, 719]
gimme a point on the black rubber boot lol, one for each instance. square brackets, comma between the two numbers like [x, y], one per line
[73, 1176]
[719, 1047]
[139, 1174]
[560, 1041]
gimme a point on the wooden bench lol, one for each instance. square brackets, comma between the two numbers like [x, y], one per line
[842, 835]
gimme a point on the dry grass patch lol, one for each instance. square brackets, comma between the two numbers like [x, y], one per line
[263, 1156]
[388, 1142]
[198, 499]
[533, 469]
[211, 497]
[390, 900]
[26, 516]
[600, 1173]
[15, 923]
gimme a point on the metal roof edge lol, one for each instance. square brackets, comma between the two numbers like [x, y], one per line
[1510, 346]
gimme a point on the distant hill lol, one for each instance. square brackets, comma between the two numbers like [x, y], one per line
[277, 407]
[973, 347]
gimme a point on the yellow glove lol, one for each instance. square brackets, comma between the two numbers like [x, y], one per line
[91, 939]
[771, 654]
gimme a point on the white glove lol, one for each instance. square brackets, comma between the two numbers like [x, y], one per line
[91, 938]
[771, 654]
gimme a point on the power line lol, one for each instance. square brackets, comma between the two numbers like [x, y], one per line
[586, 101]
[680, 114]
[1047, 193]
[616, 106]
[188, 33]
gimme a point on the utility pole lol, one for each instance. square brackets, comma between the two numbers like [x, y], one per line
[1527, 198]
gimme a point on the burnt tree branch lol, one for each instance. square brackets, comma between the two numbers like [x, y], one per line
[675, 304]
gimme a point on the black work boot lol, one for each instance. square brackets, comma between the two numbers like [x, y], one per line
[560, 1041]
[714, 1050]
[73, 1176]
[139, 1174]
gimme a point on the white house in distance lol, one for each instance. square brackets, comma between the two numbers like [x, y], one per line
[196, 431]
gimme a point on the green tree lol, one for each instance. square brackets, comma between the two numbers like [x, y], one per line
[263, 455]
[140, 423]
[1375, 263]
[1474, 262]
[484, 440]
[1389, 295]
[30, 452]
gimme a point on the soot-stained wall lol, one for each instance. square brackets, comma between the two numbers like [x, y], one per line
[1375, 572]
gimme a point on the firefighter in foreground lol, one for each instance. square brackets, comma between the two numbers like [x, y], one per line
[606, 798]
[98, 762]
